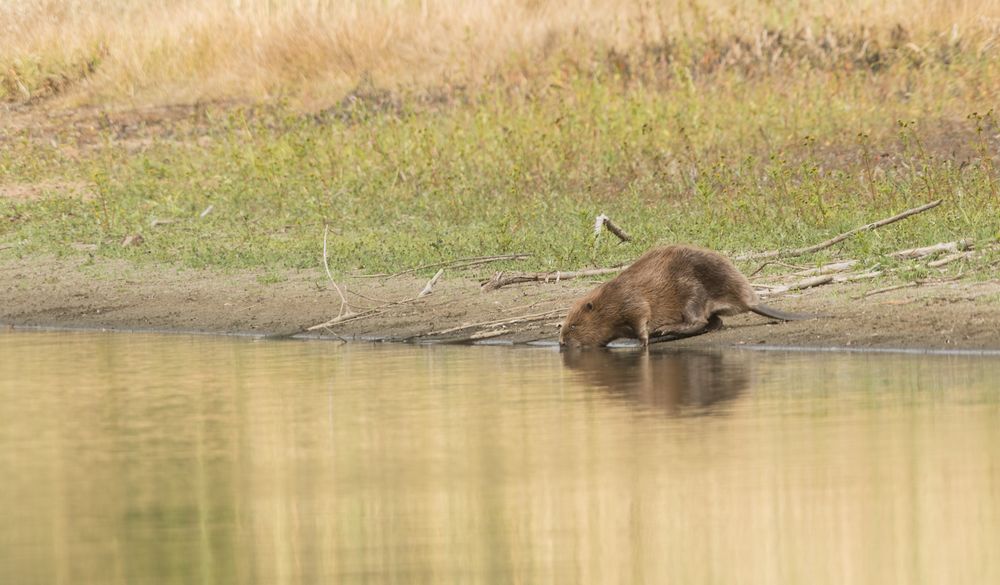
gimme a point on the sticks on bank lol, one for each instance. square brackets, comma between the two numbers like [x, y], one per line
[605, 221]
[497, 323]
[501, 279]
[840, 238]
[428, 288]
[326, 265]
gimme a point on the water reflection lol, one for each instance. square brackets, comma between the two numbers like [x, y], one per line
[671, 382]
[172, 459]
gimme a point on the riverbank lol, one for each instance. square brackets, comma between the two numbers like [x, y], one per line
[81, 291]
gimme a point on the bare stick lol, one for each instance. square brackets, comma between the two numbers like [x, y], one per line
[501, 279]
[603, 220]
[523, 319]
[326, 264]
[841, 237]
[889, 288]
[803, 284]
[911, 253]
[828, 268]
[428, 288]
[949, 259]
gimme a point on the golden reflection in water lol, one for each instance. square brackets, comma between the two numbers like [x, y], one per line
[175, 459]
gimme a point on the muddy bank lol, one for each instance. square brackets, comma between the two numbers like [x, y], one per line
[94, 293]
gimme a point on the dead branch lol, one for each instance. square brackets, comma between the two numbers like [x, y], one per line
[326, 264]
[428, 288]
[802, 284]
[913, 253]
[501, 279]
[889, 288]
[817, 281]
[839, 238]
[603, 220]
[950, 258]
[828, 268]
[511, 321]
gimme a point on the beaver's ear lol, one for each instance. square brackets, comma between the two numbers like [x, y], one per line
[590, 306]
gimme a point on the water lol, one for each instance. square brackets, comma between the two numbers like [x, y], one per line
[185, 459]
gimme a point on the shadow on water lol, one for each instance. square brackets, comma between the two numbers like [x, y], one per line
[676, 383]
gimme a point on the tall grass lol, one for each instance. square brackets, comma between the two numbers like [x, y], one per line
[315, 50]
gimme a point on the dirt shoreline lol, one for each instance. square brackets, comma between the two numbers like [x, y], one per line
[85, 292]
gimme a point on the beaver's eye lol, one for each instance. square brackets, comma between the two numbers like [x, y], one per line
[572, 326]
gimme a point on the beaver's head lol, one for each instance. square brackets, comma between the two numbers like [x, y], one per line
[591, 322]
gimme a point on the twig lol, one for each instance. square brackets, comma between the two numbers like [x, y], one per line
[803, 284]
[358, 316]
[428, 288]
[456, 263]
[326, 264]
[949, 259]
[828, 268]
[818, 281]
[501, 279]
[912, 253]
[841, 237]
[603, 220]
[889, 288]
[522, 319]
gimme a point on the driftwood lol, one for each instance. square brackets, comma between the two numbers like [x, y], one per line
[605, 221]
[428, 288]
[913, 253]
[818, 281]
[497, 323]
[950, 258]
[501, 279]
[840, 238]
[326, 264]
[828, 268]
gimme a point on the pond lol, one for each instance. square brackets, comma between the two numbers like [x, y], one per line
[142, 458]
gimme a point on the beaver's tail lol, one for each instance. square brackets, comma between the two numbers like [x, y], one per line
[776, 314]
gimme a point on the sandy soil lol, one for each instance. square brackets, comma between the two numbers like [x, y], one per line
[80, 291]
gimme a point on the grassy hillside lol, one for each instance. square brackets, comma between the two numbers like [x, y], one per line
[422, 131]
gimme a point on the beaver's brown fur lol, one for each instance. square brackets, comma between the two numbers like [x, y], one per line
[673, 290]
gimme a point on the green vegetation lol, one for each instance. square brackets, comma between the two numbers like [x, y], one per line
[709, 140]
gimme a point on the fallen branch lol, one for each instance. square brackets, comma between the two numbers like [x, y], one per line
[603, 220]
[501, 279]
[839, 238]
[889, 288]
[522, 319]
[430, 284]
[802, 284]
[326, 264]
[818, 281]
[828, 268]
[913, 253]
[950, 258]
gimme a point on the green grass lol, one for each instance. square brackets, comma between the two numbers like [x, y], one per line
[733, 162]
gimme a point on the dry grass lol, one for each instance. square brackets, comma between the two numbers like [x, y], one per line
[315, 50]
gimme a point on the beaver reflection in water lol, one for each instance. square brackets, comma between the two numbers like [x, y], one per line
[672, 382]
[674, 290]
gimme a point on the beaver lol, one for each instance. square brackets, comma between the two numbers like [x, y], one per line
[675, 291]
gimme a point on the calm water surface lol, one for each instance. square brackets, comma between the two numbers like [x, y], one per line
[177, 459]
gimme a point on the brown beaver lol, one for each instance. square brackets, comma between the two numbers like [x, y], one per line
[673, 290]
